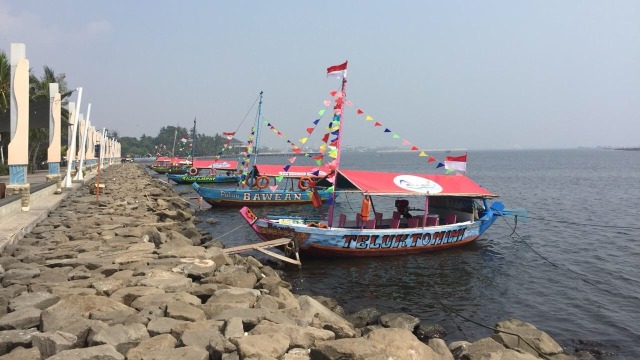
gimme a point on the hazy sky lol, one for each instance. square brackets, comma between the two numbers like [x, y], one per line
[440, 74]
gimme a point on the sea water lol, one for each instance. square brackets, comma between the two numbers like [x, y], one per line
[571, 269]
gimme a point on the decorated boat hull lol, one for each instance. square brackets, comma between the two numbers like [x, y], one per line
[237, 197]
[170, 169]
[315, 240]
[190, 179]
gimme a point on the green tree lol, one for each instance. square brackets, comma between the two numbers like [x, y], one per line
[39, 92]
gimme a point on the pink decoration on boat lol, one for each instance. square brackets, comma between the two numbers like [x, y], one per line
[327, 102]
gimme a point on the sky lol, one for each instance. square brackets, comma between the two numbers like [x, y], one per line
[527, 74]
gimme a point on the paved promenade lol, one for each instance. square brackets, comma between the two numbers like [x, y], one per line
[15, 223]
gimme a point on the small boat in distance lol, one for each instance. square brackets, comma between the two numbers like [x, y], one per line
[255, 188]
[206, 171]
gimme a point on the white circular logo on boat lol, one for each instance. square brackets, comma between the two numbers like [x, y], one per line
[417, 184]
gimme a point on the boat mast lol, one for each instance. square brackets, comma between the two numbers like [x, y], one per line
[193, 142]
[173, 150]
[257, 137]
[339, 115]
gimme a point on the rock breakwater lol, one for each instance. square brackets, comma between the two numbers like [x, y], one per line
[131, 276]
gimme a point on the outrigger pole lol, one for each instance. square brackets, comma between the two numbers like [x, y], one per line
[339, 117]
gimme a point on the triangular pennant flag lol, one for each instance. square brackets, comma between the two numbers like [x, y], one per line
[316, 173]
[327, 102]
[333, 154]
[321, 112]
[333, 93]
[431, 159]
[360, 112]
[286, 167]
[273, 187]
[303, 140]
[449, 171]
[325, 138]
[349, 103]
[368, 118]
[310, 130]
[413, 148]
[319, 162]
[292, 159]
[387, 130]
[316, 121]
[396, 136]
[330, 189]
[422, 153]
[279, 177]
[439, 165]
[377, 124]
[330, 201]
[405, 142]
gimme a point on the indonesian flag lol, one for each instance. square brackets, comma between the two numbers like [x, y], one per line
[339, 71]
[229, 134]
[457, 163]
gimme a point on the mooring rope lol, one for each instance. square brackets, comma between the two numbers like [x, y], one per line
[580, 276]
[227, 233]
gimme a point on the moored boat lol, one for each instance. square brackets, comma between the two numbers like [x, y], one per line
[456, 210]
[208, 171]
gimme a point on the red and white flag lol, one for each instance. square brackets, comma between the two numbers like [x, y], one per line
[457, 163]
[228, 134]
[339, 71]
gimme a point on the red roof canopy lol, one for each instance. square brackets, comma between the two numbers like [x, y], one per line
[215, 164]
[385, 183]
[293, 171]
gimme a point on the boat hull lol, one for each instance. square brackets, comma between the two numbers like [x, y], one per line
[348, 242]
[232, 197]
[190, 179]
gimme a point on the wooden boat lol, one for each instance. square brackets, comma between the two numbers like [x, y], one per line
[172, 165]
[257, 190]
[456, 212]
[208, 171]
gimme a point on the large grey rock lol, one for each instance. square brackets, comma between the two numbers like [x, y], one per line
[400, 321]
[198, 338]
[220, 345]
[304, 337]
[74, 307]
[23, 318]
[269, 346]
[236, 277]
[121, 337]
[39, 300]
[535, 341]
[21, 353]
[165, 280]
[183, 311]
[182, 353]
[312, 309]
[402, 344]
[53, 342]
[161, 300]
[163, 325]
[101, 352]
[129, 294]
[159, 343]
[250, 317]
[11, 339]
[347, 348]
[364, 317]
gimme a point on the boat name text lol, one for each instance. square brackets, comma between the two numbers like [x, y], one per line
[402, 240]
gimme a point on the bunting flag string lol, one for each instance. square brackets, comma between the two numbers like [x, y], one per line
[421, 153]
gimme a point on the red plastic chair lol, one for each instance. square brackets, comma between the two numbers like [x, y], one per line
[395, 223]
[341, 220]
[396, 215]
[370, 224]
[413, 222]
[432, 220]
[379, 219]
[450, 219]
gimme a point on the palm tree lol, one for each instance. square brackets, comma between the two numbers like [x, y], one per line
[39, 92]
[5, 81]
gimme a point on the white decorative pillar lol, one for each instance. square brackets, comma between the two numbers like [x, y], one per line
[83, 148]
[53, 152]
[72, 149]
[18, 148]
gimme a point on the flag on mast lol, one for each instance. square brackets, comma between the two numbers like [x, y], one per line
[339, 71]
[457, 163]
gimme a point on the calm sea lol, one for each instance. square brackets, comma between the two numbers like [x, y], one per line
[571, 269]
